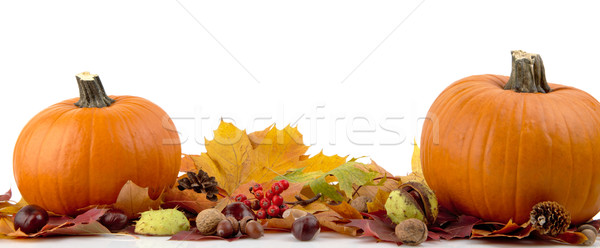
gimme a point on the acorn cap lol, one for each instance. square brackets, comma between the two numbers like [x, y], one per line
[550, 218]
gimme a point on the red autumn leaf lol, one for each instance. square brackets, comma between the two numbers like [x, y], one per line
[375, 228]
[462, 227]
[193, 235]
[84, 224]
[6, 196]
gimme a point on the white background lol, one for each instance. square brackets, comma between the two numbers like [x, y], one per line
[354, 65]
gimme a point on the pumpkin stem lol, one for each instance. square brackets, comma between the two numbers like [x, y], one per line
[528, 75]
[91, 92]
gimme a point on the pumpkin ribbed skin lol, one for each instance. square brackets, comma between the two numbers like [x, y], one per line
[494, 153]
[67, 158]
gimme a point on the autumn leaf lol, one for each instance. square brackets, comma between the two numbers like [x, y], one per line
[84, 224]
[6, 196]
[13, 208]
[509, 230]
[417, 168]
[379, 228]
[322, 162]
[134, 199]
[415, 162]
[187, 163]
[387, 182]
[6, 224]
[194, 235]
[378, 202]
[186, 199]
[345, 210]
[569, 237]
[333, 221]
[235, 158]
[346, 175]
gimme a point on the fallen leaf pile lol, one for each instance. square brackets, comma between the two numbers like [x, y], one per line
[238, 160]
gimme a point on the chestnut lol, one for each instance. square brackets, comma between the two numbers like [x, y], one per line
[114, 220]
[254, 229]
[224, 228]
[238, 210]
[31, 219]
[306, 227]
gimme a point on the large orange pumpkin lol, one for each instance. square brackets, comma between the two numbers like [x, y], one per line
[81, 151]
[493, 146]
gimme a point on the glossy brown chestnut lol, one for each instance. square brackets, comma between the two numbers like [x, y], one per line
[31, 219]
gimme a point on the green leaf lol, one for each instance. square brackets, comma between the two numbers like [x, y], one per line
[346, 176]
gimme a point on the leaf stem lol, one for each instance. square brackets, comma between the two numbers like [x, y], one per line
[303, 202]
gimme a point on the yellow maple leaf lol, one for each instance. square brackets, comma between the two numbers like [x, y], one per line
[235, 158]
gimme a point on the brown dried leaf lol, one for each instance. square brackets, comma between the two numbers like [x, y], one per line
[510, 230]
[134, 199]
[6, 225]
[335, 222]
[186, 199]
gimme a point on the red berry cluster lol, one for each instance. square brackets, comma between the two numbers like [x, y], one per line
[267, 204]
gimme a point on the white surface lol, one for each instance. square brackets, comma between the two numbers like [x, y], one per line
[334, 67]
[275, 240]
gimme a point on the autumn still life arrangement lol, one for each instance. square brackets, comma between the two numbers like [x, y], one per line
[513, 157]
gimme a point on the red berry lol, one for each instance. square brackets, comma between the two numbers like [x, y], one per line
[256, 187]
[248, 203]
[284, 183]
[265, 203]
[277, 200]
[273, 211]
[261, 214]
[277, 188]
[269, 194]
[240, 198]
[258, 194]
[255, 205]
[282, 208]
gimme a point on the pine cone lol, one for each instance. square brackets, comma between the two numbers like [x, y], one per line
[550, 218]
[200, 183]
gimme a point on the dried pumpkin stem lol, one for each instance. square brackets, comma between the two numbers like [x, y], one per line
[91, 92]
[527, 75]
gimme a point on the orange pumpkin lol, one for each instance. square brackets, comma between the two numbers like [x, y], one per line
[493, 146]
[81, 151]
